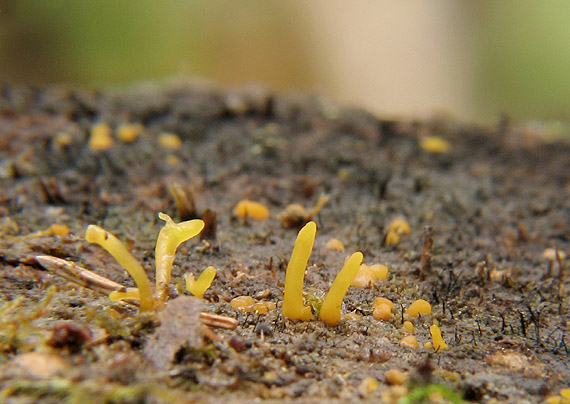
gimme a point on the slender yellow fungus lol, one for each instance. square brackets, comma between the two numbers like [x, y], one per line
[409, 341]
[169, 238]
[199, 286]
[129, 132]
[293, 306]
[242, 303]
[254, 210]
[335, 244]
[420, 306]
[109, 242]
[368, 274]
[170, 141]
[438, 342]
[435, 144]
[100, 138]
[330, 310]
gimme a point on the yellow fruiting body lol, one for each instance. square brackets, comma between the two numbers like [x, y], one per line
[169, 238]
[565, 393]
[254, 210]
[335, 244]
[59, 229]
[382, 300]
[397, 227]
[408, 326]
[199, 286]
[100, 138]
[263, 307]
[170, 141]
[382, 312]
[409, 341]
[243, 303]
[368, 274]
[129, 132]
[438, 342]
[109, 242]
[293, 307]
[129, 293]
[420, 306]
[63, 139]
[368, 385]
[330, 310]
[435, 144]
[395, 376]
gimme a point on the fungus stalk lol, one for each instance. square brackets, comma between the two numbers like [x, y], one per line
[168, 241]
[199, 286]
[109, 242]
[330, 310]
[293, 306]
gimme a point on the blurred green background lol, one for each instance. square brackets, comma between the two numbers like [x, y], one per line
[474, 60]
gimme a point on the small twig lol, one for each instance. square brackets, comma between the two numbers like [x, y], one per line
[217, 321]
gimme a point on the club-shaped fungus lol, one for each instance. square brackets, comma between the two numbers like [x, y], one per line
[420, 306]
[254, 210]
[368, 274]
[100, 138]
[382, 309]
[330, 310]
[109, 242]
[199, 286]
[438, 342]
[293, 307]
[169, 239]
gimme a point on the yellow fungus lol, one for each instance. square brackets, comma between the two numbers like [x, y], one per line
[100, 138]
[408, 326]
[129, 293]
[293, 306]
[335, 244]
[368, 274]
[59, 229]
[295, 215]
[243, 303]
[397, 227]
[254, 210]
[382, 312]
[109, 242]
[330, 310]
[395, 376]
[62, 139]
[383, 301]
[368, 385]
[170, 237]
[170, 141]
[129, 132]
[198, 287]
[428, 345]
[172, 160]
[434, 144]
[552, 254]
[438, 342]
[352, 316]
[420, 306]
[263, 307]
[565, 393]
[409, 341]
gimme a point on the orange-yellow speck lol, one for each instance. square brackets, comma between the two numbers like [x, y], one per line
[434, 144]
[100, 138]
[420, 306]
[368, 274]
[129, 132]
[243, 303]
[59, 229]
[170, 141]
[408, 327]
[335, 244]
[382, 312]
[409, 341]
[254, 210]
[395, 376]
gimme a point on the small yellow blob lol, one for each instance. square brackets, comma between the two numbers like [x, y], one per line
[198, 287]
[335, 244]
[263, 307]
[383, 301]
[409, 327]
[330, 310]
[368, 274]
[172, 160]
[382, 312]
[129, 132]
[409, 341]
[397, 228]
[368, 385]
[170, 141]
[395, 376]
[243, 303]
[420, 306]
[428, 345]
[438, 342]
[254, 210]
[62, 139]
[100, 138]
[59, 229]
[565, 393]
[434, 144]
[352, 316]
[552, 254]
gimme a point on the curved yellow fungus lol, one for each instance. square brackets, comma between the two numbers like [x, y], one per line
[170, 141]
[293, 306]
[330, 310]
[434, 144]
[254, 210]
[100, 138]
[109, 242]
[199, 286]
[409, 341]
[368, 274]
[438, 342]
[129, 132]
[335, 244]
[169, 238]
[420, 306]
